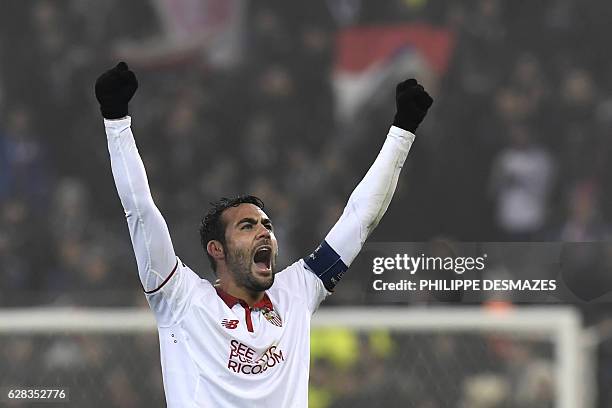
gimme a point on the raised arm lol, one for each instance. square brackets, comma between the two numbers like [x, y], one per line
[148, 230]
[370, 199]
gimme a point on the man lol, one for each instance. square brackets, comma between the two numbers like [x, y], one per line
[245, 342]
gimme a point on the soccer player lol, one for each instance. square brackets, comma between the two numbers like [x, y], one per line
[244, 342]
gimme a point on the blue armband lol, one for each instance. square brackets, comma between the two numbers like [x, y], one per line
[327, 265]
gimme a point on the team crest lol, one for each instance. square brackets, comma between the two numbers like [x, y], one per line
[273, 317]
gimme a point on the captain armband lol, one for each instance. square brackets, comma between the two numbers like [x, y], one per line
[326, 264]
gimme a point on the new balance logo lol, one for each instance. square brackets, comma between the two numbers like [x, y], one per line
[229, 324]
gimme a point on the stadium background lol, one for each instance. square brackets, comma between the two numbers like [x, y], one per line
[291, 101]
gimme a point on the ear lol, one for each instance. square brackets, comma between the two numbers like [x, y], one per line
[215, 249]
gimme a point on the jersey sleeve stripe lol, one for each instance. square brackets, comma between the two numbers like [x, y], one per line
[148, 292]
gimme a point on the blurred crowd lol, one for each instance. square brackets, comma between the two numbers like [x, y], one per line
[514, 149]
[516, 146]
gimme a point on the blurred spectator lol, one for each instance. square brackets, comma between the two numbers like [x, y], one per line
[521, 181]
[25, 168]
[584, 221]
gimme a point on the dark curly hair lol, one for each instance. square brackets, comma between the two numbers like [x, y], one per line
[213, 228]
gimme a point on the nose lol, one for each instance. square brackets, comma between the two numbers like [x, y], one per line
[263, 232]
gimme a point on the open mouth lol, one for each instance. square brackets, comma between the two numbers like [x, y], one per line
[263, 258]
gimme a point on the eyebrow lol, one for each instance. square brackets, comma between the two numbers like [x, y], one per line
[247, 219]
[254, 221]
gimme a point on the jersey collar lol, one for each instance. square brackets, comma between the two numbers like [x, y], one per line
[230, 301]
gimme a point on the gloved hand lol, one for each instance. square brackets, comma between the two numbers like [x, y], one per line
[114, 89]
[412, 103]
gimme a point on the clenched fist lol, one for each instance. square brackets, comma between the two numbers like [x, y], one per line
[412, 103]
[114, 89]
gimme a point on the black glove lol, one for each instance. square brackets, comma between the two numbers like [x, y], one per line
[412, 102]
[114, 89]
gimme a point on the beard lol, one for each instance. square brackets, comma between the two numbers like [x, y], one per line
[240, 262]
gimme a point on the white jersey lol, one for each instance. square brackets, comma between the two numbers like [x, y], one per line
[216, 351]
[220, 352]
